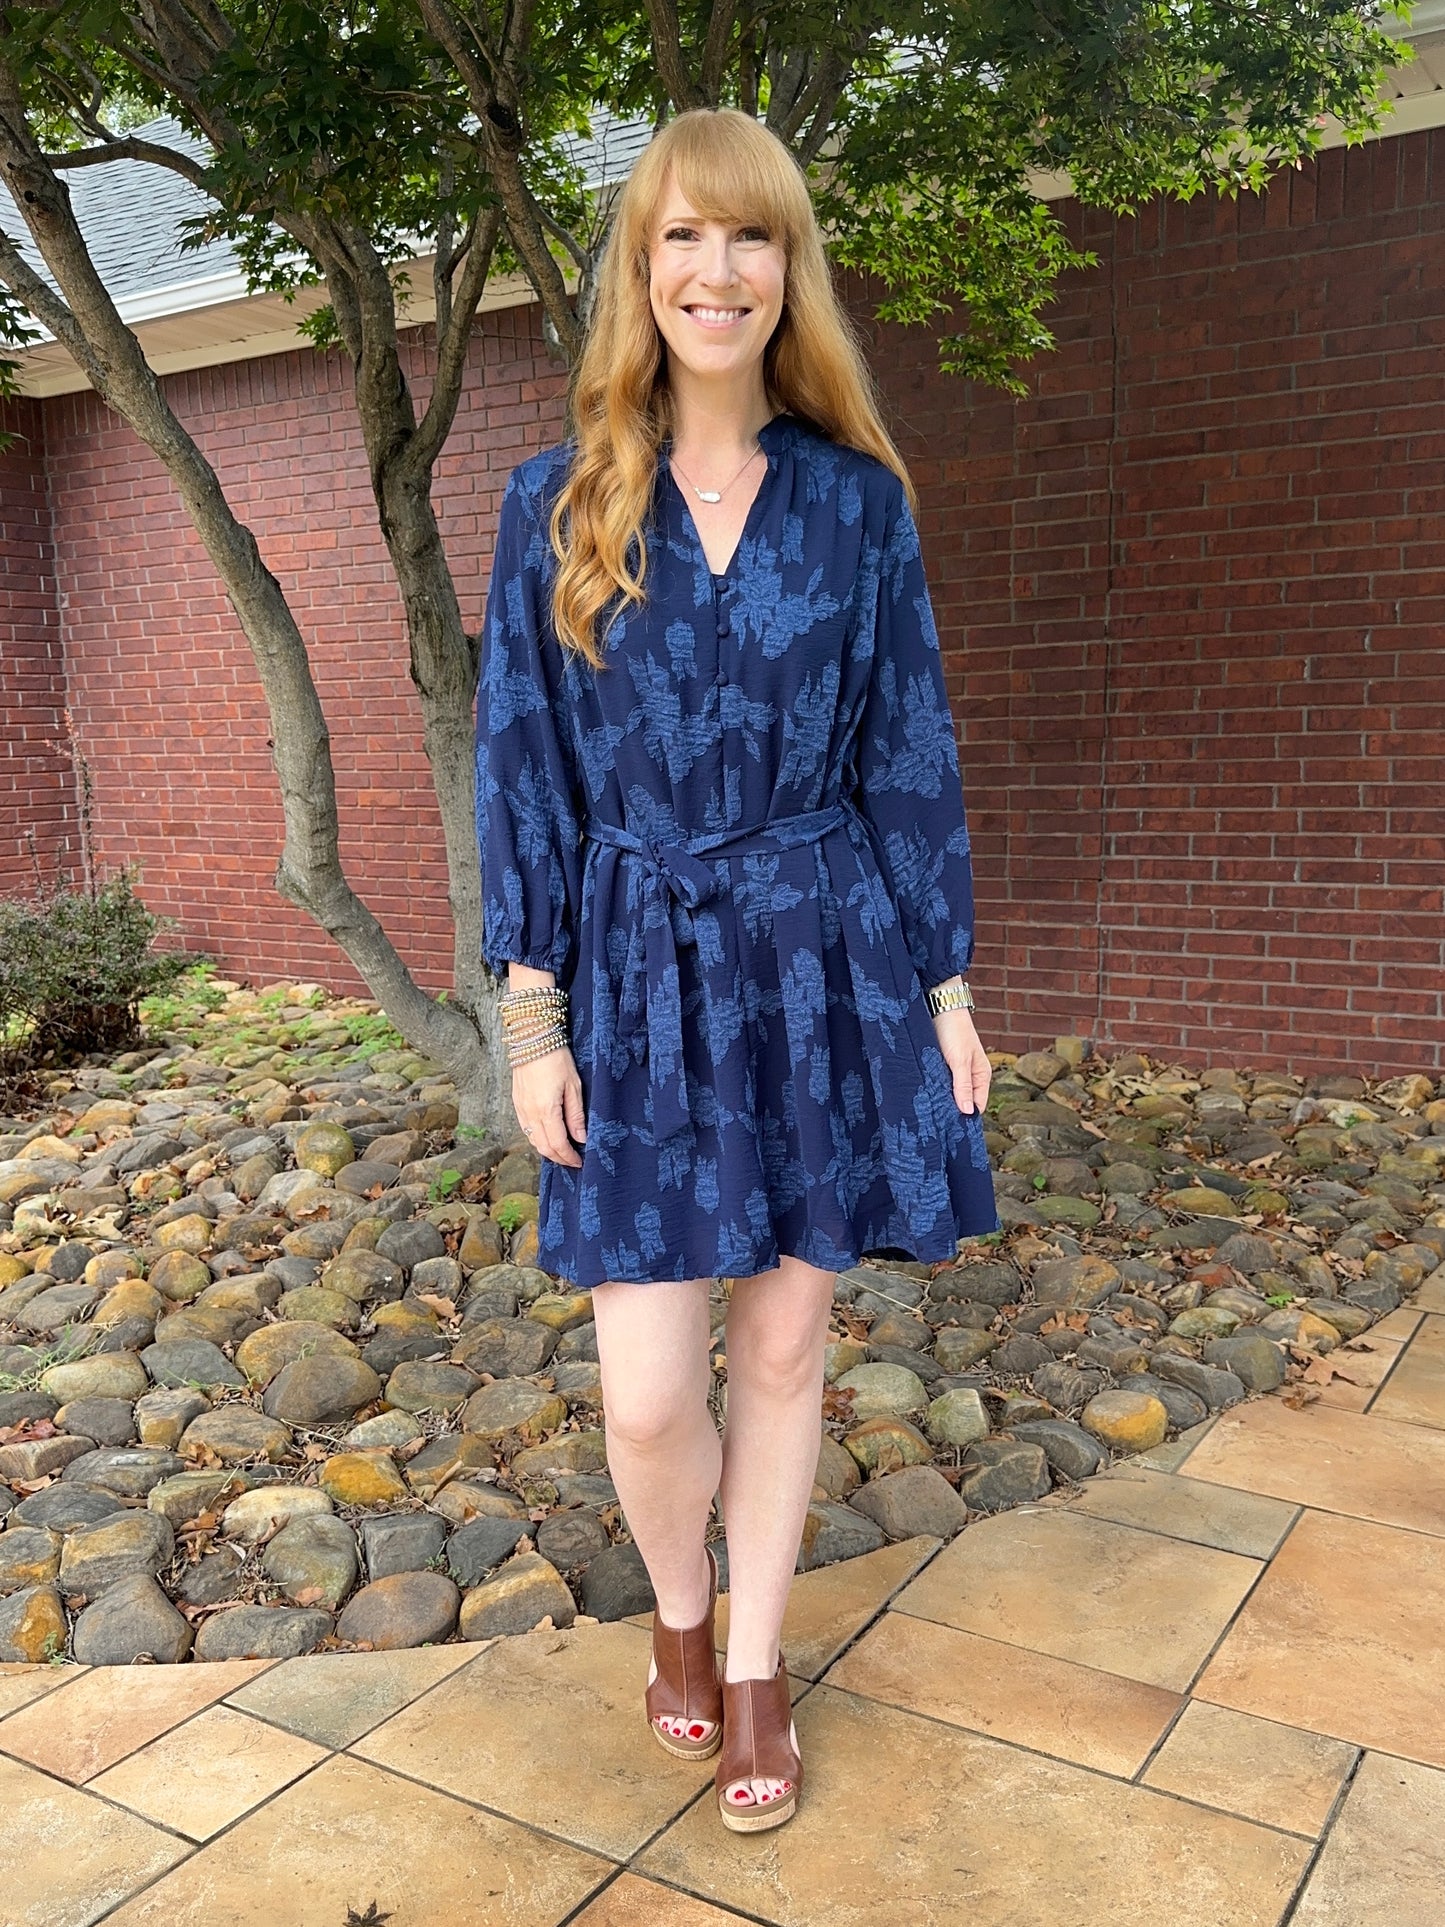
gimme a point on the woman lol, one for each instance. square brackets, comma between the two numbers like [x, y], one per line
[726, 872]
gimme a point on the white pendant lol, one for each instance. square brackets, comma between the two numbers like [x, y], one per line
[709, 495]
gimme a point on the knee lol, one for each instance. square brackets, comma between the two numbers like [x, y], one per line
[652, 1418]
[780, 1364]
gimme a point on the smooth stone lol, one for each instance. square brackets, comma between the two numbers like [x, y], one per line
[958, 1348]
[526, 1591]
[452, 1456]
[1185, 1408]
[429, 1385]
[1069, 1449]
[213, 1579]
[1204, 1321]
[235, 1433]
[29, 1556]
[998, 1473]
[562, 1311]
[1067, 1387]
[267, 1509]
[1217, 1388]
[132, 1620]
[1251, 1357]
[568, 1540]
[411, 1243]
[315, 1305]
[513, 1406]
[916, 1500]
[402, 1610]
[474, 1550]
[365, 1277]
[385, 1430]
[126, 1471]
[61, 1305]
[831, 1532]
[956, 1418]
[1348, 1320]
[64, 1507]
[886, 1444]
[506, 1347]
[262, 1632]
[1126, 1421]
[401, 1542]
[267, 1351]
[324, 1149]
[1300, 1328]
[837, 1472]
[883, 1391]
[1074, 1283]
[26, 1460]
[615, 1584]
[191, 1362]
[108, 1375]
[96, 1557]
[460, 1503]
[324, 1389]
[313, 1560]
[363, 1479]
[109, 1421]
[32, 1626]
[179, 1276]
[568, 1452]
[162, 1416]
[1019, 1355]
[190, 1494]
[17, 1408]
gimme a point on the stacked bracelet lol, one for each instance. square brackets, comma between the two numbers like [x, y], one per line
[534, 1021]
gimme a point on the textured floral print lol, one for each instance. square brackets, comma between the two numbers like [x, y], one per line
[742, 846]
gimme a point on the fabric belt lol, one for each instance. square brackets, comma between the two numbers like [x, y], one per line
[673, 873]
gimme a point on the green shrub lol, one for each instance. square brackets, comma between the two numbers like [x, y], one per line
[74, 965]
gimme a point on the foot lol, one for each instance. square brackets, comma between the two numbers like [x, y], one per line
[743, 1794]
[675, 1725]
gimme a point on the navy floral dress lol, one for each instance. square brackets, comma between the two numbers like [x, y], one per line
[742, 847]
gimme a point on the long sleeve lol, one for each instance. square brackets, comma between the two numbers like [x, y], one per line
[528, 797]
[908, 783]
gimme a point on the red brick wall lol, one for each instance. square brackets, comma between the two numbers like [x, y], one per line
[1193, 591]
[163, 689]
[37, 795]
[1188, 590]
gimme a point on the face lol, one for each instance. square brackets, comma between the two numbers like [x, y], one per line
[716, 287]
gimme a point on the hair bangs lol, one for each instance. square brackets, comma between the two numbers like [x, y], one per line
[737, 173]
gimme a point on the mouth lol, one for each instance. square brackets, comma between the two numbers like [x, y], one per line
[719, 320]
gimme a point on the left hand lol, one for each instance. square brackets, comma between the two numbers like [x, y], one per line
[965, 1057]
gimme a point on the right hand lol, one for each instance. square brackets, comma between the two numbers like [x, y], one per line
[547, 1097]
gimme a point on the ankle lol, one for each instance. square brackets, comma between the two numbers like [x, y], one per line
[750, 1665]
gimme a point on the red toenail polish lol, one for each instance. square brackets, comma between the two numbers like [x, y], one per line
[696, 1732]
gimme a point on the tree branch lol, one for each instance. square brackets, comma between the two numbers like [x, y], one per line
[682, 89]
[715, 50]
[125, 147]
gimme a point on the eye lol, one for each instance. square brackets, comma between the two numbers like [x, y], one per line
[679, 231]
[754, 232]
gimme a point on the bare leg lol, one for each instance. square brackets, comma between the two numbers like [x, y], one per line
[662, 1447]
[777, 1327]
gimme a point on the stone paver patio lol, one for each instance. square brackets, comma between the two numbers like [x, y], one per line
[1206, 1689]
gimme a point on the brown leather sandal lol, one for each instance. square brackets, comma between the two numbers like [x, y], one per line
[687, 1686]
[758, 1744]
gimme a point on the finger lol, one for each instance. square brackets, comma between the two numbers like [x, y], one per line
[963, 1089]
[572, 1104]
[551, 1138]
[982, 1079]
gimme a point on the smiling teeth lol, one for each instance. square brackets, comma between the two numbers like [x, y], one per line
[718, 314]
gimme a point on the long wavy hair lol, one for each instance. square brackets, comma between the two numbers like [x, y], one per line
[730, 168]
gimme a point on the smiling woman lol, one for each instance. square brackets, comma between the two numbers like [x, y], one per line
[726, 867]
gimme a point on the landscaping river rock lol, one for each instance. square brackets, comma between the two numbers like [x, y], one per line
[279, 1371]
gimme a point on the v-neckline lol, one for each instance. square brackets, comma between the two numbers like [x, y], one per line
[724, 574]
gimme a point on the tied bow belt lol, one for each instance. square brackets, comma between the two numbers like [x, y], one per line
[673, 871]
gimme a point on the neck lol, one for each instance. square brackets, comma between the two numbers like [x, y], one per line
[715, 420]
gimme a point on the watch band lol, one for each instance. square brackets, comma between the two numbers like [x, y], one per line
[953, 995]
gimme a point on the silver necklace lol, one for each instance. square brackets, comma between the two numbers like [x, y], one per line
[713, 494]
